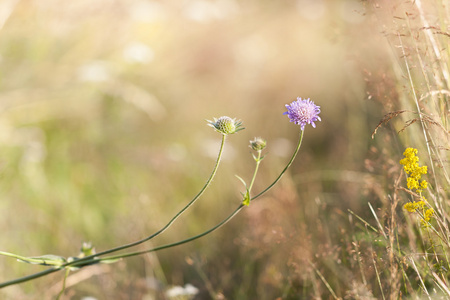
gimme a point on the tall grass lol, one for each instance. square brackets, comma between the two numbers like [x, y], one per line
[93, 141]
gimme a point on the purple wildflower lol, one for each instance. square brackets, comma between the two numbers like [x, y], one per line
[303, 112]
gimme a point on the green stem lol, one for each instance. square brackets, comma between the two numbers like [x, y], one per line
[208, 182]
[29, 277]
[115, 257]
[88, 259]
[92, 259]
[258, 161]
[285, 169]
[64, 285]
[234, 213]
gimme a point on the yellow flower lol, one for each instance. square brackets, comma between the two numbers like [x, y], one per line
[427, 217]
[413, 206]
[420, 204]
[412, 183]
[411, 166]
[410, 206]
[424, 184]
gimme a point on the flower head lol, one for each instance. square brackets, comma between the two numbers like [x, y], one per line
[258, 144]
[303, 112]
[226, 125]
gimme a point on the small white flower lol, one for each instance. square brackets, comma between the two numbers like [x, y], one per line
[186, 292]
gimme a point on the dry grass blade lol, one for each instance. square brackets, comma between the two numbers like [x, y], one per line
[324, 281]
[378, 221]
[435, 93]
[409, 123]
[431, 121]
[378, 275]
[409, 192]
[364, 221]
[441, 283]
[420, 278]
[386, 119]
[427, 119]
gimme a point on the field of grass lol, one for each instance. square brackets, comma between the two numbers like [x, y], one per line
[103, 139]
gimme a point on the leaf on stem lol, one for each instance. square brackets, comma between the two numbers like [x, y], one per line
[44, 260]
[110, 260]
[246, 196]
[246, 200]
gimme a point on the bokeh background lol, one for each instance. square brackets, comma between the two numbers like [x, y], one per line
[103, 139]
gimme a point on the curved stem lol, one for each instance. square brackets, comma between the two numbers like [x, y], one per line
[115, 257]
[29, 277]
[88, 259]
[285, 169]
[208, 182]
[232, 215]
[92, 259]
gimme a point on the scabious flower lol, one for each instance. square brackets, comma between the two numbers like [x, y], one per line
[303, 112]
[226, 125]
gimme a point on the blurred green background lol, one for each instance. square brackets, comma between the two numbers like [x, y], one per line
[103, 138]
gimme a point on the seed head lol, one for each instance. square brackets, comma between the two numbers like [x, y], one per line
[226, 125]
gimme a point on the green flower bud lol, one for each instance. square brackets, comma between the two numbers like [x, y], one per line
[258, 144]
[87, 249]
[226, 125]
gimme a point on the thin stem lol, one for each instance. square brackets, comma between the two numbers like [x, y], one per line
[234, 213]
[29, 277]
[88, 259]
[285, 169]
[208, 182]
[64, 285]
[258, 161]
[92, 259]
[77, 263]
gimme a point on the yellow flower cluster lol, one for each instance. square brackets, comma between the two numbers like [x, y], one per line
[411, 166]
[413, 206]
[427, 217]
[420, 206]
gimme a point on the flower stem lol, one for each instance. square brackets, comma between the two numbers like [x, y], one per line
[64, 285]
[92, 258]
[119, 256]
[223, 222]
[258, 161]
[208, 182]
[285, 168]
[29, 277]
